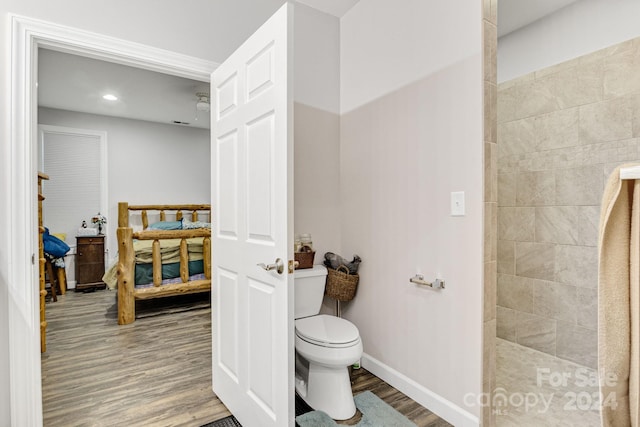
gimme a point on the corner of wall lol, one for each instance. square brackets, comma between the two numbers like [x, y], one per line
[490, 206]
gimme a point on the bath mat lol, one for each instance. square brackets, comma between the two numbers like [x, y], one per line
[375, 413]
[229, 421]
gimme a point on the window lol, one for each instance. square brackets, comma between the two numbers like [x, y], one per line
[75, 160]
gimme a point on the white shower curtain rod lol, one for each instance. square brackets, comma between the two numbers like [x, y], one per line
[632, 172]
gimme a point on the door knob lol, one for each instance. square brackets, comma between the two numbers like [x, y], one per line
[278, 266]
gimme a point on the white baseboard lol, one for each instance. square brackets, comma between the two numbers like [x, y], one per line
[435, 403]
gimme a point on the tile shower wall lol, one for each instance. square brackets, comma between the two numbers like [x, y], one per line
[561, 131]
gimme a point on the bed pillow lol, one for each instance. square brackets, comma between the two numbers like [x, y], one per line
[189, 225]
[166, 225]
[144, 272]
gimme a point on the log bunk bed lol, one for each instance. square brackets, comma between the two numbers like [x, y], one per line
[128, 291]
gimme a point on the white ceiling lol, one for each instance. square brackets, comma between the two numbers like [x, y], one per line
[515, 14]
[332, 7]
[77, 83]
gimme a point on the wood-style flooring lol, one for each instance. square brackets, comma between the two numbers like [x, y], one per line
[154, 372]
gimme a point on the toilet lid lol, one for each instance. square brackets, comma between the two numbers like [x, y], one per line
[325, 329]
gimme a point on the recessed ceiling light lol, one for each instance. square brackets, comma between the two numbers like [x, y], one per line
[110, 97]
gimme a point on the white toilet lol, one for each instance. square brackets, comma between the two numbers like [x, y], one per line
[325, 347]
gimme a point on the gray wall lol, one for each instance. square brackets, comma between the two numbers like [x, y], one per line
[148, 163]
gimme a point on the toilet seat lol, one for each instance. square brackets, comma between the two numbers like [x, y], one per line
[327, 331]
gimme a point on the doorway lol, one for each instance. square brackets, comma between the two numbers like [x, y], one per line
[27, 37]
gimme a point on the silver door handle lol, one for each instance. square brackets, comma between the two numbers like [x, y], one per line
[278, 266]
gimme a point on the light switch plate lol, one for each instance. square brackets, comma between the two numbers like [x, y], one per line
[457, 203]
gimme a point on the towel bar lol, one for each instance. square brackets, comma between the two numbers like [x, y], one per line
[632, 172]
[418, 279]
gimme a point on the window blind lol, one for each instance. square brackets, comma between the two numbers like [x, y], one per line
[73, 192]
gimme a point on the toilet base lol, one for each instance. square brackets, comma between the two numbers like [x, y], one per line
[328, 390]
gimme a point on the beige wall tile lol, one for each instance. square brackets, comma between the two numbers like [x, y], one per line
[494, 231]
[506, 257]
[488, 124]
[562, 131]
[515, 292]
[507, 189]
[490, 231]
[539, 99]
[609, 120]
[634, 101]
[508, 97]
[517, 137]
[516, 223]
[506, 324]
[555, 301]
[557, 130]
[577, 344]
[590, 84]
[603, 54]
[489, 349]
[588, 308]
[535, 260]
[490, 172]
[527, 99]
[491, 208]
[490, 42]
[535, 189]
[536, 332]
[568, 225]
[622, 73]
[577, 265]
[493, 111]
[579, 186]
[517, 81]
[488, 367]
[494, 174]
[616, 153]
[554, 69]
[493, 17]
[490, 290]
[507, 164]
[574, 86]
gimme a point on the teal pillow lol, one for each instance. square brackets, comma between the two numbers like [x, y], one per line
[166, 225]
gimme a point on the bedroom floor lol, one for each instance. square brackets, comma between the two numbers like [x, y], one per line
[154, 372]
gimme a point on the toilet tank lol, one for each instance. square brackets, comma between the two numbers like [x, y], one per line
[309, 290]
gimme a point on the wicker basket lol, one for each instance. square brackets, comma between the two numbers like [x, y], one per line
[304, 257]
[341, 285]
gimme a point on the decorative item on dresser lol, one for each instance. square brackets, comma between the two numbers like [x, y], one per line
[89, 263]
[156, 265]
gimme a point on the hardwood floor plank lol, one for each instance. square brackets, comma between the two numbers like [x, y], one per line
[362, 380]
[153, 372]
[156, 371]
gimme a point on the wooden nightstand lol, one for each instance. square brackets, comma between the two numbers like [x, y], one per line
[89, 263]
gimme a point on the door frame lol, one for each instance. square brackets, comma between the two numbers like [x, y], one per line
[27, 35]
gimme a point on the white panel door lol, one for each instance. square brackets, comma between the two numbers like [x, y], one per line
[252, 156]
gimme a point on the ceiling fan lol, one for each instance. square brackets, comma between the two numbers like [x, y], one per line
[203, 103]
